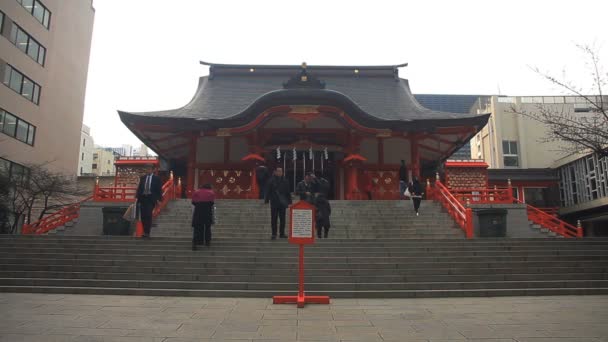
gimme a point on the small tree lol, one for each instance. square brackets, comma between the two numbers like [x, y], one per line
[40, 191]
[580, 131]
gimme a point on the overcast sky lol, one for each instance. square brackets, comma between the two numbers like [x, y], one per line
[145, 53]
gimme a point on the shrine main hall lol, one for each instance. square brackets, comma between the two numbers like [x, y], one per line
[353, 124]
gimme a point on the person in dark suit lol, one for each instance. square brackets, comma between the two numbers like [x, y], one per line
[306, 189]
[323, 185]
[262, 175]
[416, 191]
[203, 201]
[323, 212]
[277, 193]
[149, 193]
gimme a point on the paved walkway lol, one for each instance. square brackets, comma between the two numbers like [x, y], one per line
[52, 318]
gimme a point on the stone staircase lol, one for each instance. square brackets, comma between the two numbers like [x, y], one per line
[238, 267]
[349, 219]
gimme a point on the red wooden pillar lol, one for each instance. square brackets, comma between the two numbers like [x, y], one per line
[380, 151]
[351, 186]
[415, 153]
[190, 167]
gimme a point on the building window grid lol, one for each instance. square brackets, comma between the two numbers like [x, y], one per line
[16, 131]
[37, 9]
[26, 43]
[21, 84]
[584, 180]
[16, 172]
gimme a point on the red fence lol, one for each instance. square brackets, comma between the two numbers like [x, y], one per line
[463, 216]
[114, 194]
[551, 222]
[100, 194]
[57, 219]
[483, 196]
[169, 193]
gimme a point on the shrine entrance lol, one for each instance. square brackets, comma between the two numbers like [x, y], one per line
[321, 163]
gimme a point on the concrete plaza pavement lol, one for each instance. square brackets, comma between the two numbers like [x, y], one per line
[97, 318]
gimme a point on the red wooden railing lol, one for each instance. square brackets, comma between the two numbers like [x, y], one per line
[114, 194]
[169, 193]
[551, 222]
[553, 211]
[483, 196]
[545, 217]
[462, 215]
[54, 220]
[100, 194]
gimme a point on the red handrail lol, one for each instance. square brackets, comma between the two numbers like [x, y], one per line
[54, 220]
[168, 191]
[551, 222]
[479, 195]
[114, 194]
[463, 216]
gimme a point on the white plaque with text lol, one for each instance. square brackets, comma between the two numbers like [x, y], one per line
[301, 223]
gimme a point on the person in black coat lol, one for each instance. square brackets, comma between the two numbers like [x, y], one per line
[277, 193]
[416, 191]
[306, 189]
[203, 201]
[323, 185]
[262, 175]
[149, 193]
[322, 215]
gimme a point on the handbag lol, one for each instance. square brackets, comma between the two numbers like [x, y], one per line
[407, 193]
[130, 213]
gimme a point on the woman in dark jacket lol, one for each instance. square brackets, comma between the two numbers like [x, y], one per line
[416, 191]
[203, 200]
[323, 213]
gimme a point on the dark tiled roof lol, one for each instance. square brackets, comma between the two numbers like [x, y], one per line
[448, 103]
[229, 92]
[454, 104]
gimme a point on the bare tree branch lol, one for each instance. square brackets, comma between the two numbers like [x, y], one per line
[580, 131]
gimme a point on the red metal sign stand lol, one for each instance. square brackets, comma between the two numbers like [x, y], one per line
[301, 299]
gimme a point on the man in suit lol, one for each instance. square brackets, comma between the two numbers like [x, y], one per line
[307, 188]
[149, 193]
[277, 193]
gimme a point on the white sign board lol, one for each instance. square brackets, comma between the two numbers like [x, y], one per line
[301, 223]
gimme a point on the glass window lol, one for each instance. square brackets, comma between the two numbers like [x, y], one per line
[17, 172]
[36, 97]
[21, 40]
[510, 155]
[1, 21]
[41, 55]
[13, 35]
[10, 124]
[82, 156]
[38, 11]
[511, 161]
[22, 131]
[7, 75]
[33, 49]
[28, 4]
[16, 81]
[47, 19]
[1, 120]
[28, 89]
[5, 166]
[31, 134]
